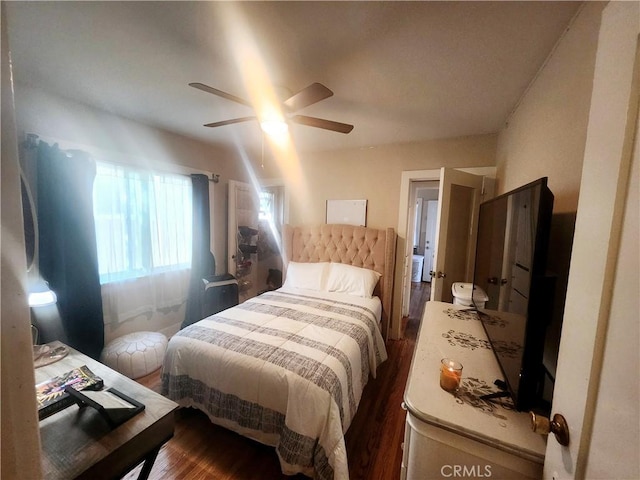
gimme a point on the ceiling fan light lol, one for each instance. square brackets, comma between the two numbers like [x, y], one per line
[274, 127]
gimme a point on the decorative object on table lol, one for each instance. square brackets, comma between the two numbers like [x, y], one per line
[114, 406]
[135, 354]
[450, 374]
[47, 354]
[51, 394]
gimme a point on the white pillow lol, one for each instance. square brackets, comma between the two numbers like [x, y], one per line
[311, 276]
[356, 281]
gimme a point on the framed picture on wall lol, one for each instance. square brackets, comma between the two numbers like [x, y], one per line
[347, 212]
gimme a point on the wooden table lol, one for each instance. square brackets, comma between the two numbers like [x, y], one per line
[78, 443]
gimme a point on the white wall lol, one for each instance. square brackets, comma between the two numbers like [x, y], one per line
[545, 137]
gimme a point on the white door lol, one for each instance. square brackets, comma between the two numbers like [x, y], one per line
[244, 209]
[430, 239]
[597, 381]
[457, 222]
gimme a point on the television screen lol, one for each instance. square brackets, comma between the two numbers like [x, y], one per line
[510, 266]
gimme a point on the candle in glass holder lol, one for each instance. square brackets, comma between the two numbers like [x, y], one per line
[450, 374]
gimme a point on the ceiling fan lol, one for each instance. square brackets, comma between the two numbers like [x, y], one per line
[305, 97]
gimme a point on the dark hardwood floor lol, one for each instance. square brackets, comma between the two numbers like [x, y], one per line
[201, 450]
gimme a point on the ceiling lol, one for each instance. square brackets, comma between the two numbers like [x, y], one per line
[400, 71]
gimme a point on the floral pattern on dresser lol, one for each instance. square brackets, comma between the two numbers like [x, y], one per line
[467, 315]
[472, 389]
[465, 340]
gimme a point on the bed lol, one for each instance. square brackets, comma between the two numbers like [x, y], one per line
[287, 368]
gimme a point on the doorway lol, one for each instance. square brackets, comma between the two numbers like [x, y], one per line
[425, 198]
[405, 230]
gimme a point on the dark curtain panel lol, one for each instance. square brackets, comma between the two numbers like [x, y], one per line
[68, 256]
[202, 261]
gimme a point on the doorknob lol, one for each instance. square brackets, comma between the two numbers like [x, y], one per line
[441, 274]
[432, 274]
[558, 426]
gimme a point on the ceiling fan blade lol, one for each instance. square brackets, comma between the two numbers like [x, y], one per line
[220, 93]
[307, 96]
[229, 122]
[322, 123]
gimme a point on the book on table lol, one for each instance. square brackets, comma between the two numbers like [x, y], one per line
[51, 394]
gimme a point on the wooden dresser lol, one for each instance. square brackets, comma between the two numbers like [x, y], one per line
[461, 435]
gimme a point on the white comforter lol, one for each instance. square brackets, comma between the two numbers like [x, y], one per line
[286, 368]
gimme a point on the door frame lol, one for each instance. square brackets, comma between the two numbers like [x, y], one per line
[403, 254]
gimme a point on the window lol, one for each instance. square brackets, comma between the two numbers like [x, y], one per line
[267, 206]
[143, 222]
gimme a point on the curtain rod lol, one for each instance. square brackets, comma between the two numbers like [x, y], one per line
[215, 178]
[31, 142]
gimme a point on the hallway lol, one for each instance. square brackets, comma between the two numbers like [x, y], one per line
[420, 293]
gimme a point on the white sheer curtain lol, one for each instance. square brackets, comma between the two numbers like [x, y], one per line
[143, 227]
[127, 299]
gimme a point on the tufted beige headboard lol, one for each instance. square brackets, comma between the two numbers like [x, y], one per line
[360, 246]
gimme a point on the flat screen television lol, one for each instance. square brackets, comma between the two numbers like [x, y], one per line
[510, 266]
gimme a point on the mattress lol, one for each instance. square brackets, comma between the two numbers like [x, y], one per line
[286, 368]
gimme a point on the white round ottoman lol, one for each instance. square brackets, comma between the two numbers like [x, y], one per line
[135, 354]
